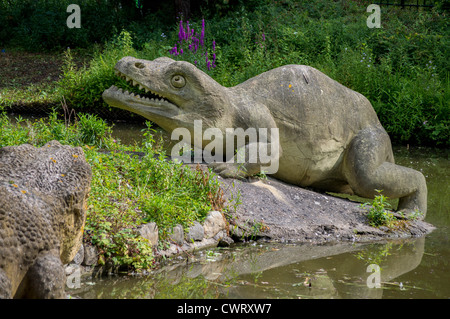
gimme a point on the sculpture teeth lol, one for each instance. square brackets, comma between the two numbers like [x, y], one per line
[157, 99]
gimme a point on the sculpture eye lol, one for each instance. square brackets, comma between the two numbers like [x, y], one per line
[178, 81]
[139, 65]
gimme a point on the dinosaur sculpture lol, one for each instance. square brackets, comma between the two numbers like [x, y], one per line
[330, 137]
[42, 215]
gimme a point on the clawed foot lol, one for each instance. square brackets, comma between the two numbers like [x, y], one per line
[229, 170]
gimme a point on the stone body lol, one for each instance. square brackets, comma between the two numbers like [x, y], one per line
[330, 137]
[42, 215]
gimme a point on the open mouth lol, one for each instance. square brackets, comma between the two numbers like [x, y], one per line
[141, 92]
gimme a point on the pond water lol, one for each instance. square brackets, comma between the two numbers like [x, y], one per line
[413, 268]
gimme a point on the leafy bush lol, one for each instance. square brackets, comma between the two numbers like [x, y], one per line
[192, 46]
[378, 214]
[130, 185]
[128, 190]
[87, 130]
[82, 88]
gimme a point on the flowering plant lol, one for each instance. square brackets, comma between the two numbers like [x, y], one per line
[192, 47]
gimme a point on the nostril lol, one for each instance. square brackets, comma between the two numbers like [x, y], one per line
[139, 65]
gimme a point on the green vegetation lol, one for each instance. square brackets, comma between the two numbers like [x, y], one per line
[402, 68]
[130, 185]
[378, 213]
[40, 25]
[377, 254]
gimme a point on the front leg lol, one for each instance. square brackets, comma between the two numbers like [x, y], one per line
[249, 160]
[46, 278]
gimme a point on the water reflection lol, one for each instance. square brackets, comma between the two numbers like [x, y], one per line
[341, 275]
[435, 165]
[271, 271]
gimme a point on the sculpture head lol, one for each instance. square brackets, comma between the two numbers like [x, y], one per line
[173, 93]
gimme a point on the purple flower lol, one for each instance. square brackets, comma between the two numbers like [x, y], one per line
[192, 41]
[195, 43]
[263, 37]
[188, 33]
[174, 51]
[181, 34]
[202, 35]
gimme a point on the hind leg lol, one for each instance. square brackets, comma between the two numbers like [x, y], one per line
[369, 166]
